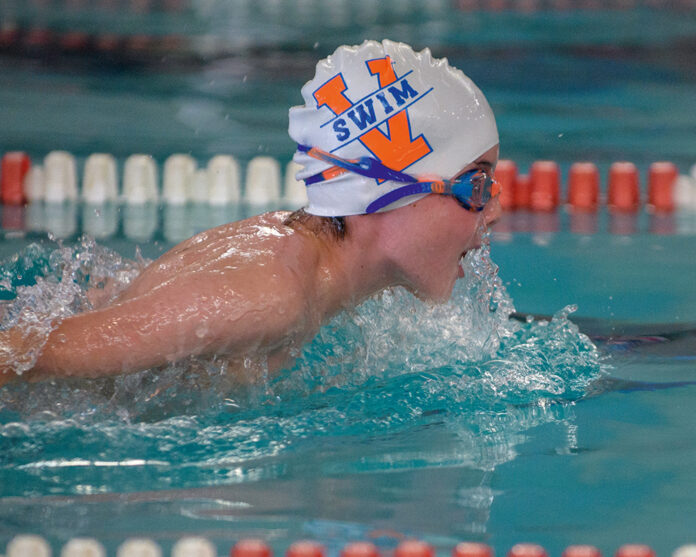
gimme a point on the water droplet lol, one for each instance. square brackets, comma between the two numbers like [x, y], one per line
[201, 330]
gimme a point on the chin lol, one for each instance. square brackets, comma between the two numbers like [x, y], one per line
[435, 286]
[438, 294]
[460, 269]
[442, 299]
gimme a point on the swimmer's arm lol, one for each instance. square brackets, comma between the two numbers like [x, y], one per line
[161, 327]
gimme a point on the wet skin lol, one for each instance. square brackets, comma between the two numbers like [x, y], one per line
[255, 291]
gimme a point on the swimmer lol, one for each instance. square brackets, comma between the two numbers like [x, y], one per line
[397, 150]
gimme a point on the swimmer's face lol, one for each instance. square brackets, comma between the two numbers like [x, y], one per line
[440, 233]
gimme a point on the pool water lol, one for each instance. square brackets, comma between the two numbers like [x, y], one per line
[395, 387]
[400, 419]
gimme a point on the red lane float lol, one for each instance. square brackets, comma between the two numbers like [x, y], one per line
[545, 186]
[38, 39]
[417, 548]
[624, 192]
[8, 36]
[527, 550]
[251, 548]
[360, 549]
[14, 168]
[522, 191]
[306, 549]
[583, 187]
[74, 41]
[108, 42]
[139, 43]
[414, 548]
[662, 177]
[470, 549]
[635, 550]
[581, 551]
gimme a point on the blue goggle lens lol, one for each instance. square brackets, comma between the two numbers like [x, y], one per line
[473, 189]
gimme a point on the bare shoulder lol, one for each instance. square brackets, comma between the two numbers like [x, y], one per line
[252, 282]
[260, 247]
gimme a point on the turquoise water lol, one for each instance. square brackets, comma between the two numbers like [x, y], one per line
[446, 423]
[394, 388]
[399, 419]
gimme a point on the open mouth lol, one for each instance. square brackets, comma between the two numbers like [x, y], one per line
[460, 269]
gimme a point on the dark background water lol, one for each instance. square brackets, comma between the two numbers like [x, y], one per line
[209, 77]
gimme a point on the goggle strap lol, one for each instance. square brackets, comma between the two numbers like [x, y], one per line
[398, 193]
[436, 186]
[365, 166]
[324, 175]
[373, 168]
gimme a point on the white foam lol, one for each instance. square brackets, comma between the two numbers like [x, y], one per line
[83, 547]
[295, 191]
[262, 188]
[140, 180]
[178, 175]
[60, 177]
[193, 547]
[100, 181]
[28, 546]
[223, 178]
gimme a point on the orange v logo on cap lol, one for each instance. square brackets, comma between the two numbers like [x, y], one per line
[396, 149]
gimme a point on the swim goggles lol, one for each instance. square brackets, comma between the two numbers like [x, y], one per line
[473, 189]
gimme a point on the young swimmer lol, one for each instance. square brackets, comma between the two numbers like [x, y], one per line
[383, 129]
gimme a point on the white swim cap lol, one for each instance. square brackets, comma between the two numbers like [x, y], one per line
[383, 100]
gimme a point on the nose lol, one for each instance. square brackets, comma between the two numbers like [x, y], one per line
[492, 212]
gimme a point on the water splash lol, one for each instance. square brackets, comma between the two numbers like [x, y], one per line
[395, 363]
[391, 366]
[49, 285]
